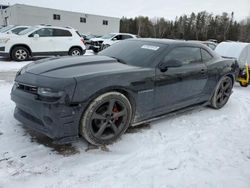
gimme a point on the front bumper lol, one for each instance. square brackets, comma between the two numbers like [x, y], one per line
[5, 54]
[58, 121]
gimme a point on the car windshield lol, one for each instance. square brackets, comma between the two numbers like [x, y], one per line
[7, 28]
[90, 37]
[135, 52]
[108, 36]
[28, 30]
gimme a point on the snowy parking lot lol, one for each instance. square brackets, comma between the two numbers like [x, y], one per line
[203, 148]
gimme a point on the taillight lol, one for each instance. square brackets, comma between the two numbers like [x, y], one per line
[82, 41]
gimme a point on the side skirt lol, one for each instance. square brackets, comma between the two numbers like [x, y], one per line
[49, 53]
[173, 113]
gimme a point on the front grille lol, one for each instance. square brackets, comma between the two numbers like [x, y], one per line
[96, 43]
[27, 88]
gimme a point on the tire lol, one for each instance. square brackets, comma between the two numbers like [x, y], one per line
[106, 118]
[96, 50]
[222, 92]
[20, 53]
[75, 51]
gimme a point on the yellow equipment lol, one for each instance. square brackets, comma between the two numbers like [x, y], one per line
[243, 77]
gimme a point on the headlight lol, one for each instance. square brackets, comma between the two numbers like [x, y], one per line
[4, 40]
[47, 92]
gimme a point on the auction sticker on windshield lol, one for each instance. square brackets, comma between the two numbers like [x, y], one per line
[149, 47]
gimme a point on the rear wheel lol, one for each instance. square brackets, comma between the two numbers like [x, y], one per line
[222, 92]
[20, 53]
[106, 118]
[75, 51]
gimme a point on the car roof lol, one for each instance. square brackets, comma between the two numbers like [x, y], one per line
[175, 43]
[170, 41]
[123, 34]
[56, 27]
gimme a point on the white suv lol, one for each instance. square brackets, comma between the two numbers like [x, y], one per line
[40, 41]
[97, 44]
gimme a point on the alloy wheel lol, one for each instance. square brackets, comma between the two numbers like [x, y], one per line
[224, 91]
[109, 119]
[21, 54]
[76, 53]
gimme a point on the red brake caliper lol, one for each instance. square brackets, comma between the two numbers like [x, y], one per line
[115, 110]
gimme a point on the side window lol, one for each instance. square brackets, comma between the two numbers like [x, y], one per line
[61, 33]
[118, 37]
[186, 55]
[206, 56]
[126, 37]
[44, 32]
[17, 30]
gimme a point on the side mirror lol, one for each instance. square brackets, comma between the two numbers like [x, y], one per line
[114, 39]
[168, 64]
[36, 36]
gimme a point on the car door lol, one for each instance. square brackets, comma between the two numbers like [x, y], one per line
[41, 41]
[181, 86]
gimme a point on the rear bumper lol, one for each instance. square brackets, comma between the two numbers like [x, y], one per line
[60, 122]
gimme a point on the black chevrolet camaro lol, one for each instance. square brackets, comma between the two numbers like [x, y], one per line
[131, 82]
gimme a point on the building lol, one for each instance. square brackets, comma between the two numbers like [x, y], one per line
[20, 14]
[2, 7]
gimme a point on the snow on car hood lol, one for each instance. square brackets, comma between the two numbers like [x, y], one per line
[96, 39]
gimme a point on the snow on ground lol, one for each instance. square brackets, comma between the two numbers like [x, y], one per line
[202, 148]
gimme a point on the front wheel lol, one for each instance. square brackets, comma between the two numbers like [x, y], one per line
[222, 92]
[106, 118]
[20, 53]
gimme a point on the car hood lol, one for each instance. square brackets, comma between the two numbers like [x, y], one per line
[7, 35]
[69, 67]
[96, 39]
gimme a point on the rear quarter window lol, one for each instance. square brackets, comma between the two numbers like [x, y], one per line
[61, 33]
[206, 56]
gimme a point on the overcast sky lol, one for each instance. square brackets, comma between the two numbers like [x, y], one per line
[152, 8]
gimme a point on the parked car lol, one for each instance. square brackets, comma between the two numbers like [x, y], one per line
[131, 82]
[12, 29]
[87, 39]
[42, 40]
[97, 44]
